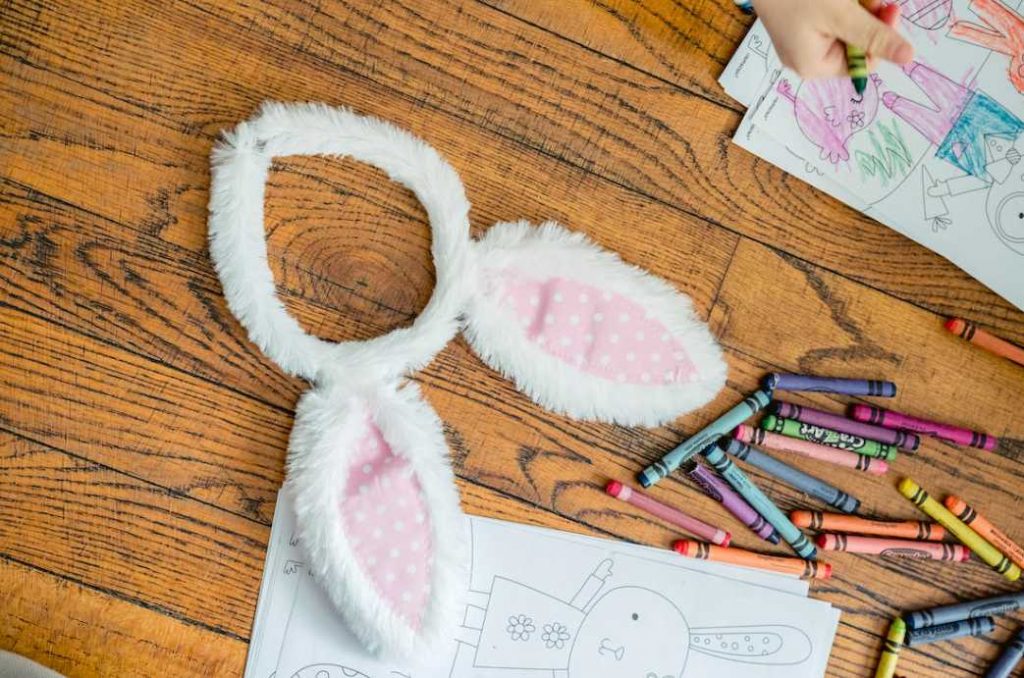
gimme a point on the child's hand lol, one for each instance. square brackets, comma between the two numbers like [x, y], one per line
[810, 36]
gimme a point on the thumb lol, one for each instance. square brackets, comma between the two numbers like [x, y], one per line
[856, 26]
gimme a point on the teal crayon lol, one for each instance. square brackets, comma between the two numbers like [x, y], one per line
[761, 503]
[708, 435]
[825, 436]
[1010, 657]
[965, 627]
[794, 477]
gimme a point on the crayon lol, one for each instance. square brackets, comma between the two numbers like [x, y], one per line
[839, 522]
[972, 609]
[830, 455]
[986, 529]
[746, 6]
[667, 513]
[1010, 657]
[752, 404]
[719, 490]
[805, 569]
[968, 537]
[891, 649]
[902, 439]
[857, 67]
[989, 342]
[794, 477]
[824, 436]
[894, 548]
[861, 387]
[762, 504]
[957, 629]
[953, 434]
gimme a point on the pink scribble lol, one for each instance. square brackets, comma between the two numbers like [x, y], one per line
[948, 99]
[829, 112]
[1002, 32]
[930, 15]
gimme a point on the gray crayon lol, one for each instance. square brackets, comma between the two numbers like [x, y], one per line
[1010, 657]
[983, 607]
[978, 626]
[794, 477]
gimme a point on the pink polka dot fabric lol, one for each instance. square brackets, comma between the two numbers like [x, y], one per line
[599, 332]
[385, 518]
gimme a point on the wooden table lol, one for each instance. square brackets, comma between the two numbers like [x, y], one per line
[143, 435]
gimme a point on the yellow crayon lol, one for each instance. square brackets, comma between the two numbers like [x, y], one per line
[968, 537]
[891, 649]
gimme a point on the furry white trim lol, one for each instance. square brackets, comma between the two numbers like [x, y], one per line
[550, 251]
[239, 249]
[328, 424]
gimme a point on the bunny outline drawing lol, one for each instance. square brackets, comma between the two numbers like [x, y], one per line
[605, 631]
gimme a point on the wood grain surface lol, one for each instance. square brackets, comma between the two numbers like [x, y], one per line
[142, 436]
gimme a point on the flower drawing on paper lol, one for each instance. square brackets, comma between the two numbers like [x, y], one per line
[856, 119]
[555, 635]
[520, 627]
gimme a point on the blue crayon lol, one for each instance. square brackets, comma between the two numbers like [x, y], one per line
[860, 387]
[958, 629]
[708, 435]
[762, 504]
[795, 477]
[984, 607]
[1010, 657]
[746, 5]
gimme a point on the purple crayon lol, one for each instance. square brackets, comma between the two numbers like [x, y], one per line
[719, 490]
[808, 415]
[953, 434]
[859, 387]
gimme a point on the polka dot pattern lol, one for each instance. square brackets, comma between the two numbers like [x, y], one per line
[599, 332]
[385, 518]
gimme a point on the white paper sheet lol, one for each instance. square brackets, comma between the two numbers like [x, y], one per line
[933, 150]
[577, 597]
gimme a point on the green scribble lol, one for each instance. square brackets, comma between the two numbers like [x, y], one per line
[890, 157]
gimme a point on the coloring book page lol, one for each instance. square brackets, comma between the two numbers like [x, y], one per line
[932, 149]
[605, 609]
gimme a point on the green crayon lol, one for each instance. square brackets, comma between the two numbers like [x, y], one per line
[762, 504]
[825, 436]
[857, 67]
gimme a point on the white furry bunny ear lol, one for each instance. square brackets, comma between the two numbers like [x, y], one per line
[585, 334]
[378, 514]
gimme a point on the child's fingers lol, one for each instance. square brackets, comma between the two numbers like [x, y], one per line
[856, 26]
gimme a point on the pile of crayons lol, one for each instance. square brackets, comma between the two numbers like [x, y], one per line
[867, 440]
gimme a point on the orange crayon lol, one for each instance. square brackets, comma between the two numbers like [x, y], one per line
[805, 569]
[840, 522]
[989, 342]
[986, 529]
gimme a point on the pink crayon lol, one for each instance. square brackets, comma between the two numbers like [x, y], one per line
[953, 434]
[695, 527]
[894, 548]
[837, 422]
[831, 455]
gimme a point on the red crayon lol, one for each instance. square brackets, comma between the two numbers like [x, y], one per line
[953, 434]
[670, 515]
[894, 548]
[989, 342]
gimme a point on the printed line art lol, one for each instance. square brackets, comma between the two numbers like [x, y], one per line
[338, 671]
[930, 15]
[604, 630]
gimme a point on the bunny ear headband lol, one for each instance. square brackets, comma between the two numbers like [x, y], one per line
[576, 329]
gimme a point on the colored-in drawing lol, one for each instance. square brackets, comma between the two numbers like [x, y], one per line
[618, 632]
[829, 112]
[889, 158]
[930, 15]
[978, 136]
[1002, 31]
